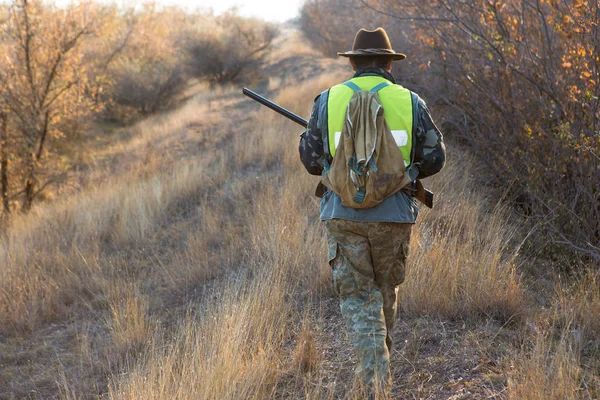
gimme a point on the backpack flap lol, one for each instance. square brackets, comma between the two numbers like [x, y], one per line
[368, 166]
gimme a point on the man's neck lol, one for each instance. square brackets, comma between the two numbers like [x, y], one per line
[370, 71]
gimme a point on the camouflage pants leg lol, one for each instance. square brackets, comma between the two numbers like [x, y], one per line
[368, 261]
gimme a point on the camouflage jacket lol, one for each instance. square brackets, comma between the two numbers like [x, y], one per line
[428, 155]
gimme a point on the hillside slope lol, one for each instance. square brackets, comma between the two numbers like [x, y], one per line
[193, 265]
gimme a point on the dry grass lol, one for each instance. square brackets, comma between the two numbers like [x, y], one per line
[286, 250]
[579, 306]
[549, 370]
[225, 353]
[234, 348]
[57, 252]
[464, 257]
[129, 325]
[560, 355]
[207, 273]
[61, 250]
[306, 356]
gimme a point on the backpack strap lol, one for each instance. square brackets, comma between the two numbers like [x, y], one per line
[415, 112]
[352, 86]
[375, 89]
[382, 85]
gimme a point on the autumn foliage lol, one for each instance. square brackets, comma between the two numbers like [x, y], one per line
[517, 82]
[180, 254]
[65, 69]
[47, 92]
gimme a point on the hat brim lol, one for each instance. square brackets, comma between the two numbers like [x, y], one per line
[393, 56]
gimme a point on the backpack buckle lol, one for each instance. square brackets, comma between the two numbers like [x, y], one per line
[360, 196]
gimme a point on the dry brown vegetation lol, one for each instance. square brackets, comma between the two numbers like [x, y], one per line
[65, 69]
[189, 263]
[229, 49]
[517, 83]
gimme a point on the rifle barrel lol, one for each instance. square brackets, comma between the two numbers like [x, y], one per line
[426, 197]
[288, 114]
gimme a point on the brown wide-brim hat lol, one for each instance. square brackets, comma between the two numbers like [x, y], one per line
[372, 43]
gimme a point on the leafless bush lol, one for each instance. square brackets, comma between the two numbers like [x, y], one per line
[331, 25]
[147, 86]
[229, 49]
[147, 75]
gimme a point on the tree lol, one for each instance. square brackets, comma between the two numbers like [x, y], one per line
[46, 91]
[521, 85]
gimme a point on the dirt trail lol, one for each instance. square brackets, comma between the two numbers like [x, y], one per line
[433, 359]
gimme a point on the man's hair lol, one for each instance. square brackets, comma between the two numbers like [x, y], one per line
[372, 61]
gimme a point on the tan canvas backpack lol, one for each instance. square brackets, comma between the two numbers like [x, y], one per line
[368, 166]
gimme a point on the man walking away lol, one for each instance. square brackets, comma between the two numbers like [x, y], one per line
[368, 247]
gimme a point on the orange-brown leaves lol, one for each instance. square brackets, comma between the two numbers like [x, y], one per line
[49, 85]
[494, 67]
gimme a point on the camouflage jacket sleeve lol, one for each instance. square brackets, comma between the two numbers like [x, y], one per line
[429, 147]
[311, 144]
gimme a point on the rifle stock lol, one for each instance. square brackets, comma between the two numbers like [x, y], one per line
[422, 194]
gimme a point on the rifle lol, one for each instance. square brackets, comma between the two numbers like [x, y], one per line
[417, 189]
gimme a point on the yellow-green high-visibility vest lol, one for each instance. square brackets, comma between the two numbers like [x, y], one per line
[397, 106]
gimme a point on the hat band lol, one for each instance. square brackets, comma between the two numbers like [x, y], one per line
[374, 51]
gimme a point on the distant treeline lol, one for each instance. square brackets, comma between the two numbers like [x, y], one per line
[515, 81]
[62, 68]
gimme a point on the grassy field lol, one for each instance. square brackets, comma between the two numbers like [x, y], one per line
[191, 265]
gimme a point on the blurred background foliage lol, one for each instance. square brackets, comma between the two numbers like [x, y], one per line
[68, 68]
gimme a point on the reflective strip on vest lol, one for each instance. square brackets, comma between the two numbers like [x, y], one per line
[397, 105]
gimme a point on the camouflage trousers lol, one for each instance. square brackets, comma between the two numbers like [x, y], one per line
[368, 261]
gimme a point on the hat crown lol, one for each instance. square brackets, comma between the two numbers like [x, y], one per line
[377, 39]
[372, 43]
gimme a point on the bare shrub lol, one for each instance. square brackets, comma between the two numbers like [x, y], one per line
[146, 85]
[148, 74]
[520, 78]
[229, 49]
[331, 25]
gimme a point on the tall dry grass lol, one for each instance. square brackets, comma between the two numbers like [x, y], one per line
[59, 252]
[284, 267]
[548, 370]
[210, 273]
[464, 253]
[559, 357]
[235, 347]
[69, 252]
